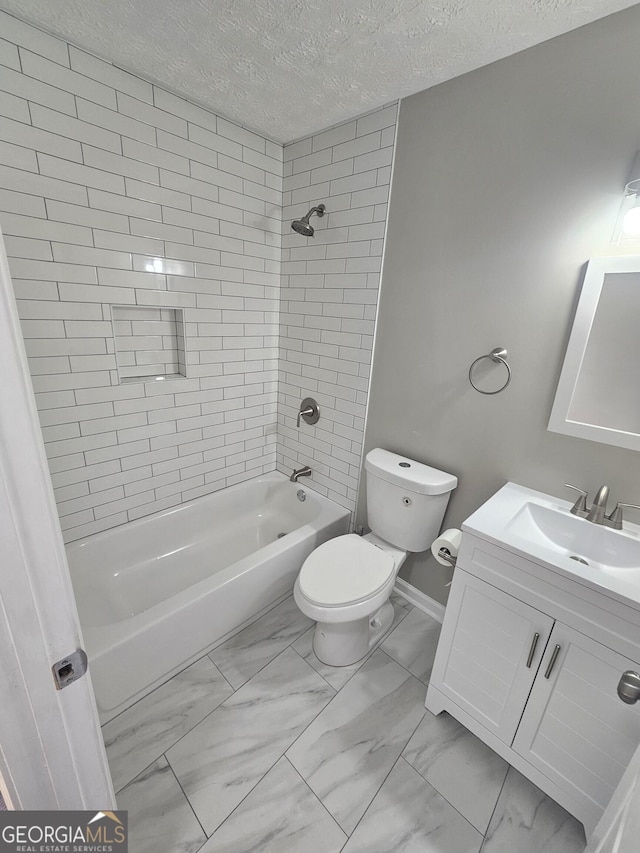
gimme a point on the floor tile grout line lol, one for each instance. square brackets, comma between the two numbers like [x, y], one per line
[184, 793]
[484, 837]
[151, 692]
[442, 796]
[261, 639]
[388, 774]
[426, 683]
[316, 797]
[419, 680]
[217, 668]
[362, 662]
[336, 694]
[253, 621]
[222, 675]
[372, 800]
[319, 673]
[235, 690]
[349, 834]
[282, 755]
[228, 698]
[266, 664]
[184, 734]
[131, 781]
[248, 794]
[420, 773]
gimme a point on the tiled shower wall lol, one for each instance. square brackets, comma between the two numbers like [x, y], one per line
[115, 192]
[329, 295]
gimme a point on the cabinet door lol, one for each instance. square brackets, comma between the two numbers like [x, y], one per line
[575, 729]
[488, 653]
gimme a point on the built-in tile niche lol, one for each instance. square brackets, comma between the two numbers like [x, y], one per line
[149, 343]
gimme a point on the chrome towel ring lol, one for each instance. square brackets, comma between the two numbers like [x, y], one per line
[499, 355]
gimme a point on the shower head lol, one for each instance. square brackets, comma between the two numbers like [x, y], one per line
[301, 226]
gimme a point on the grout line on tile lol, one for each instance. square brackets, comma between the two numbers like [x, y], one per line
[440, 794]
[184, 793]
[466, 819]
[317, 798]
[151, 692]
[248, 794]
[493, 811]
[248, 624]
[319, 673]
[295, 640]
[239, 688]
[355, 828]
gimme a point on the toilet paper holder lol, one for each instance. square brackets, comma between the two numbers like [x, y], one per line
[446, 555]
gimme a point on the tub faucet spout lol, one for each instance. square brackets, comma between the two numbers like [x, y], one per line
[300, 472]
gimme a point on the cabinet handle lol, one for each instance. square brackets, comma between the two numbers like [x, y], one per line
[532, 650]
[552, 662]
[629, 687]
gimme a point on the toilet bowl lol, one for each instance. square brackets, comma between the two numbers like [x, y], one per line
[345, 584]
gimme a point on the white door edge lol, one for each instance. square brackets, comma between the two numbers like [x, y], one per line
[51, 750]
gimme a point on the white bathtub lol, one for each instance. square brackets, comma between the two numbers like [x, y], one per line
[156, 593]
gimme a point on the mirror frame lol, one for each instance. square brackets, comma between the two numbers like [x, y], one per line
[559, 420]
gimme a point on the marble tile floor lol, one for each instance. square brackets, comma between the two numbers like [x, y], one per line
[258, 746]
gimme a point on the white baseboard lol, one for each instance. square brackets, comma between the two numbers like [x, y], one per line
[420, 599]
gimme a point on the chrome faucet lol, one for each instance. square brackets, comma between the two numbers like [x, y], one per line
[598, 510]
[300, 472]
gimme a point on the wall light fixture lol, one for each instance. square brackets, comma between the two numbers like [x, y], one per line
[630, 210]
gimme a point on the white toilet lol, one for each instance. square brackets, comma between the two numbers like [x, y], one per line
[345, 584]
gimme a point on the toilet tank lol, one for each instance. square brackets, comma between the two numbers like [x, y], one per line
[406, 500]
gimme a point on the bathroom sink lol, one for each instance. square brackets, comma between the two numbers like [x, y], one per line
[576, 538]
[542, 528]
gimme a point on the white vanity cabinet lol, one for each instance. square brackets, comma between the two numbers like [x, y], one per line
[574, 728]
[488, 654]
[530, 662]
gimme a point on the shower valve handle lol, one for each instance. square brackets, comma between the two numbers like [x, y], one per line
[309, 412]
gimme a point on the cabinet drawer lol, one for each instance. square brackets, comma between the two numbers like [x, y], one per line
[593, 613]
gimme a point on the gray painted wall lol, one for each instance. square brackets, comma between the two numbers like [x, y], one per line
[507, 180]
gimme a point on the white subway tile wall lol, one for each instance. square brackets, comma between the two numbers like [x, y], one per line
[329, 295]
[114, 192]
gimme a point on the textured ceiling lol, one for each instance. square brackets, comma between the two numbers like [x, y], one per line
[287, 68]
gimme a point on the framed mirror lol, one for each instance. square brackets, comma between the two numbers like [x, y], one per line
[598, 394]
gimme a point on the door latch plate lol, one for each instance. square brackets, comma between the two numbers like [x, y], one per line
[69, 669]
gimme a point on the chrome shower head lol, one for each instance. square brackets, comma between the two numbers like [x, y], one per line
[301, 226]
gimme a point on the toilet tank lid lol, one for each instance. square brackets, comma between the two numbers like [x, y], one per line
[414, 476]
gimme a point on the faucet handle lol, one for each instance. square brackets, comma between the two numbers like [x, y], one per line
[615, 519]
[308, 411]
[303, 413]
[580, 506]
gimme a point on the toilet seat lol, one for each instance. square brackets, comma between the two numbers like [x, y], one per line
[345, 570]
